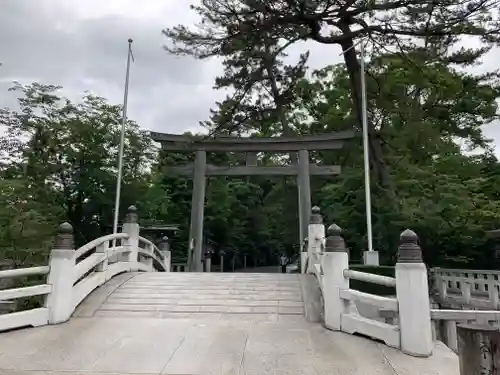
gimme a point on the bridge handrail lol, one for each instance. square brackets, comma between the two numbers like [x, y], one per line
[402, 321]
[314, 266]
[465, 315]
[152, 252]
[37, 316]
[27, 291]
[384, 303]
[72, 277]
[20, 272]
[98, 241]
[117, 250]
[86, 265]
[155, 248]
[370, 278]
[458, 288]
[444, 323]
[146, 241]
[463, 271]
[152, 256]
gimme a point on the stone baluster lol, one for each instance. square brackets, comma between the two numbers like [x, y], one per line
[222, 253]
[103, 249]
[61, 276]
[148, 261]
[412, 291]
[315, 235]
[208, 260]
[441, 285]
[465, 289]
[493, 292]
[131, 226]
[303, 255]
[167, 254]
[335, 261]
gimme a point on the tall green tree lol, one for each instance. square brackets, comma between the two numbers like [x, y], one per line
[66, 153]
[403, 25]
[420, 122]
[417, 118]
[264, 87]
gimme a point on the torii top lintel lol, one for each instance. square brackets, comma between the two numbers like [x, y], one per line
[330, 141]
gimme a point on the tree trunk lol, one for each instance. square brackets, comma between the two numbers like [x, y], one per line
[377, 161]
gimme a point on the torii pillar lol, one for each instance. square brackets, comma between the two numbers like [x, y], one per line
[195, 256]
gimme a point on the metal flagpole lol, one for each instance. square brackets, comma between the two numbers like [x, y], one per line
[366, 156]
[122, 139]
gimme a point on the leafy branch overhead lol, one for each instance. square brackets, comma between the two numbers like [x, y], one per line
[331, 22]
[228, 28]
[58, 157]
[420, 101]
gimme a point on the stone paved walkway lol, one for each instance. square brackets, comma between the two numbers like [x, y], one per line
[168, 324]
[205, 347]
[187, 295]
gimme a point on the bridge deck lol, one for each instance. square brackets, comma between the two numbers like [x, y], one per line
[192, 295]
[100, 340]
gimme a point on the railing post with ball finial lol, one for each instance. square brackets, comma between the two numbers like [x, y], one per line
[165, 250]
[61, 276]
[335, 261]
[131, 226]
[315, 235]
[412, 292]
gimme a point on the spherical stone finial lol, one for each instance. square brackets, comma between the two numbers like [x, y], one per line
[65, 228]
[316, 217]
[334, 241]
[64, 239]
[164, 244]
[408, 236]
[333, 230]
[130, 40]
[409, 250]
[131, 216]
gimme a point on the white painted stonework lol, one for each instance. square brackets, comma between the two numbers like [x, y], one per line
[132, 244]
[334, 265]
[203, 324]
[414, 308]
[371, 258]
[62, 273]
[316, 237]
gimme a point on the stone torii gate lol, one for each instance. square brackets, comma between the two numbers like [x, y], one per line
[199, 170]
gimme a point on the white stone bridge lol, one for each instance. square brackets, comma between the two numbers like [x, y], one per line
[113, 307]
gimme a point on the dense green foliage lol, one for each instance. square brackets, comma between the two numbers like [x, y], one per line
[432, 168]
[372, 288]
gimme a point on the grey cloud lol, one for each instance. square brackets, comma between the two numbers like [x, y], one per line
[41, 41]
[51, 42]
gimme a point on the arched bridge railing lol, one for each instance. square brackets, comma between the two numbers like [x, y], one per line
[405, 320]
[72, 274]
[402, 321]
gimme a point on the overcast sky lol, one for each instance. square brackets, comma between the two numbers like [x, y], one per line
[82, 45]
